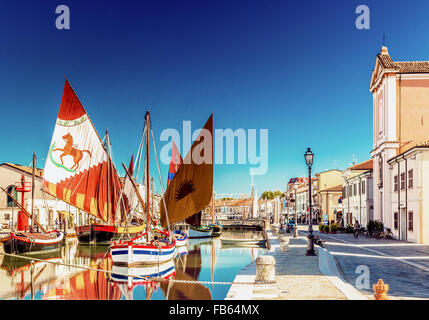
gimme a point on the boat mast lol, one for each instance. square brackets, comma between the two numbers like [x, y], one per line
[151, 188]
[108, 171]
[147, 176]
[32, 193]
[213, 208]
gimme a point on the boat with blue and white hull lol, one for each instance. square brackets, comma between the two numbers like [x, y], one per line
[138, 251]
[181, 237]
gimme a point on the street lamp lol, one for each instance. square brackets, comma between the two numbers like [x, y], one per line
[295, 227]
[310, 244]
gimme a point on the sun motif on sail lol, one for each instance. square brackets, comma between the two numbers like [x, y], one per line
[69, 150]
[184, 189]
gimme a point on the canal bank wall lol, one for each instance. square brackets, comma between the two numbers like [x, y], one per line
[297, 276]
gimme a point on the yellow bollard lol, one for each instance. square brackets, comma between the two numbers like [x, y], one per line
[380, 290]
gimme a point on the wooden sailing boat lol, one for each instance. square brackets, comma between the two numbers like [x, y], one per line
[191, 189]
[147, 248]
[23, 242]
[79, 171]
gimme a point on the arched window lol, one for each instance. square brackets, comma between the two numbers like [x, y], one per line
[11, 190]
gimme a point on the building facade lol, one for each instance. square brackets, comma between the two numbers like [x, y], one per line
[400, 91]
[410, 194]
[357, 194]
[328, 188]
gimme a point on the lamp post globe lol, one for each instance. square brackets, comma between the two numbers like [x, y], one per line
[309, 156]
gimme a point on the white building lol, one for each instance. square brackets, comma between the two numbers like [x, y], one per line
[410, 194]
[357, 197]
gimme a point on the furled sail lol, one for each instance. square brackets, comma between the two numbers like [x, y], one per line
[191, 189]
[78, 169]
[175, 163]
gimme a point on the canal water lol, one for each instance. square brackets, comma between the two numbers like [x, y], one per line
[82, 272]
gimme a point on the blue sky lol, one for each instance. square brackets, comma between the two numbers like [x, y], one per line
[300, 69]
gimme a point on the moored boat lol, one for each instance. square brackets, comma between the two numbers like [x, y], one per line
[181, 237]
[95, 233]
[32, 242]
[200, 232]
[139, 251]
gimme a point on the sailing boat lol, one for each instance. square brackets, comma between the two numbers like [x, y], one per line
[175, 163]
[146, 248]
[128, 195]
[191, 189]
[79, 171]
[23, 242]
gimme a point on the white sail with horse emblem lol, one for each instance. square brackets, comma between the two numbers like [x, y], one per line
[78, 169]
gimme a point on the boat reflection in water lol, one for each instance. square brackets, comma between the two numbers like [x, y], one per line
[91, 284]
[150, 277]
[86, 272]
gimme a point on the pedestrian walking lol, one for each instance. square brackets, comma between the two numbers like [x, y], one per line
[356, 229]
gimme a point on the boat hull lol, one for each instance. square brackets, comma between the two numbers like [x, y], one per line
[181, 238]
[204, 233]
[95, 233]
[132, 253]
[17, 244]
[130, 231]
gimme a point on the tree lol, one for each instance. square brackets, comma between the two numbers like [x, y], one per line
[269, 195]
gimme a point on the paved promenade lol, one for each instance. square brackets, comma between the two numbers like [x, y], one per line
[297, 276]
[403, 266]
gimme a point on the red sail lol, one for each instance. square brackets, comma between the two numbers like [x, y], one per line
[78, 169]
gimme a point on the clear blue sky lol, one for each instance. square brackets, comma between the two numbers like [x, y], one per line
[298, 68]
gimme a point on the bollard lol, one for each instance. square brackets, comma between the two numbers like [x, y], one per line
[284, 243]
[265, 269]
[380, 290]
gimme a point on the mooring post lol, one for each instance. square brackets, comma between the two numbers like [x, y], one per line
[284, 243]
[265, 269]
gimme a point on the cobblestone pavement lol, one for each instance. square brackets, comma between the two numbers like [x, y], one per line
[403, 266]
[298, 277]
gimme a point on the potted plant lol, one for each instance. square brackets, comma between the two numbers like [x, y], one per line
[334, 228]
[349, 228]
[321, 227]
[326, 228]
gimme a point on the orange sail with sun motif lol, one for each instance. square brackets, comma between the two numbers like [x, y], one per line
[191, 189]
[78, 169]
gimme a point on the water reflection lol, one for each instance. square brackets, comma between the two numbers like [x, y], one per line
[203, 260]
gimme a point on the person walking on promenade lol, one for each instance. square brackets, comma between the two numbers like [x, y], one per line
[356, 229]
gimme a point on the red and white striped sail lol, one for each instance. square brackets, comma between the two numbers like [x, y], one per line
[78, 169]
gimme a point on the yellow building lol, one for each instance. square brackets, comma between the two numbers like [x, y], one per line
[328, 191]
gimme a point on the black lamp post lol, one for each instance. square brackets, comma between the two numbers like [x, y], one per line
[310, 245]
[295, 227]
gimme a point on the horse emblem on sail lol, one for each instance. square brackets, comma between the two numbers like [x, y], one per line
[70, 150]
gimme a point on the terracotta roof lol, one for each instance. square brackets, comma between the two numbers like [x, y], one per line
[366, 165]
[386, 61]
[29, 170]
[412, 66]
[402, 66]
